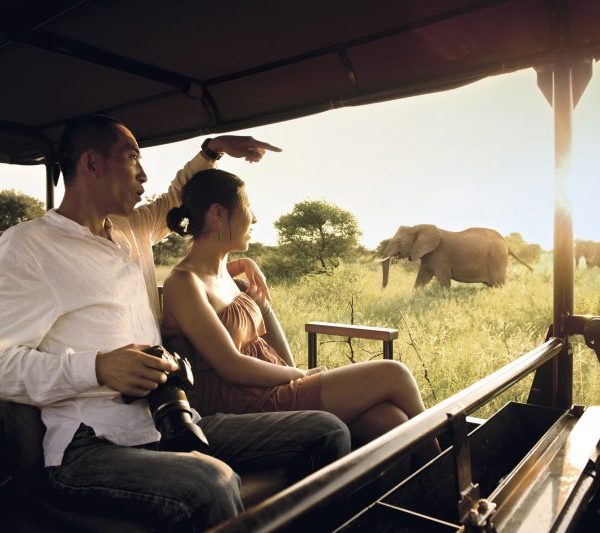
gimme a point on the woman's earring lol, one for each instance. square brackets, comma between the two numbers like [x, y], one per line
[184, 224]
[219, 235]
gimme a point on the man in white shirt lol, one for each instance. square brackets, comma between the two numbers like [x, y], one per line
[79, 306]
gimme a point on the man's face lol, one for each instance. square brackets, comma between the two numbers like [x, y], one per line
[123, 175]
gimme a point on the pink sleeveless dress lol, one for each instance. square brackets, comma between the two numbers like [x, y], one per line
[243, 320]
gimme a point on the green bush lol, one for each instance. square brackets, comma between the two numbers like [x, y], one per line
[171, 249]
[16, 207]
[278, 263]
[530, 253]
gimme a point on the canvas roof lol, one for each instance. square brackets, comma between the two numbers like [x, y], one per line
[173, 70]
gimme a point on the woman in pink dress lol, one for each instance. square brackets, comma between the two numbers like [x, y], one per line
[221, 329]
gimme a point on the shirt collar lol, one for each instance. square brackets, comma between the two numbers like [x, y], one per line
[54, 218]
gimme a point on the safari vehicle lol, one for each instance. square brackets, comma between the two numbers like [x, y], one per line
[173, 70]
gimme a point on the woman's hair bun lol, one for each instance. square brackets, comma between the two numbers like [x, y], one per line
[178, 220]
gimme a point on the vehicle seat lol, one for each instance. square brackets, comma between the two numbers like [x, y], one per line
[30, 510]
[23, 459]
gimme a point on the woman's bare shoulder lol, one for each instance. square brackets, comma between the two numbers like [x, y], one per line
[182, 279]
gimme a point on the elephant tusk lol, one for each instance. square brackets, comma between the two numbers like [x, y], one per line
[382, 260]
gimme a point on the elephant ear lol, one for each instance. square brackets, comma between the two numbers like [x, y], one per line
[428, 239]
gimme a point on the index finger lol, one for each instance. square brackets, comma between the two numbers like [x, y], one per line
[267, 146]
[156, 362]
[261, 285]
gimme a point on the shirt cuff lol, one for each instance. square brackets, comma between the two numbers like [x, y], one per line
[199, 162]
[83, 366]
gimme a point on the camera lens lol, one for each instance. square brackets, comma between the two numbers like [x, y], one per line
[172, 417]
[170, 408]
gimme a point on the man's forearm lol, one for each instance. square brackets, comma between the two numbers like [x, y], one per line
[39, 378]
[152, 217]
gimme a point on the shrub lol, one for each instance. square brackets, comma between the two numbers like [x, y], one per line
[16, 207]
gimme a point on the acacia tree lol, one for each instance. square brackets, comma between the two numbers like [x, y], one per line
[318, 232]
[530, 253]
[17, 207]
[172, 248]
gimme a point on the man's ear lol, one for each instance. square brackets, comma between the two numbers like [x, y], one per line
[90, 163]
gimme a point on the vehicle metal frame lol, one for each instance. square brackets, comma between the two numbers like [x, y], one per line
[358, 483]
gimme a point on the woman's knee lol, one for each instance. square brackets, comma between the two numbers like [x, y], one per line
[392, 371]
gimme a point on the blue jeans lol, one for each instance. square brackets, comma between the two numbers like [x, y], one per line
[192, 491]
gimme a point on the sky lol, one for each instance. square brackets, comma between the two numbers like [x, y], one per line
[480, 155]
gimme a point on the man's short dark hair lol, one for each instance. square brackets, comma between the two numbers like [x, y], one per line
[94, 132]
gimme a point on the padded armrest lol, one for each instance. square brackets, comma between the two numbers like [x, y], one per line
[351, 330]
[386, 335]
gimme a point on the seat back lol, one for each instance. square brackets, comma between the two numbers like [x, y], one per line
[23, 459]
[23, 454]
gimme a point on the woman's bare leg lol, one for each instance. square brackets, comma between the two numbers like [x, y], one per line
[351, 390]
[379, 420]
[373, 398]
[376, 421]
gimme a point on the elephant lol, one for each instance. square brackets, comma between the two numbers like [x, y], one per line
[588, 249]
[471, 256]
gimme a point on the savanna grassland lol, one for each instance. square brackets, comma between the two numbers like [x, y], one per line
[450, 339]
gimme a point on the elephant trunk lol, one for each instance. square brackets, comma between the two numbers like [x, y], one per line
[385, 265]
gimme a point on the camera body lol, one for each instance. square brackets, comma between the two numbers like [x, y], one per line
[170, 408]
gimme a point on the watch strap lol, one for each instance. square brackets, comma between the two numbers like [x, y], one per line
[210, 154]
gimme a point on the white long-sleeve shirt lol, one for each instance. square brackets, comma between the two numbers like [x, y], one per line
[66, 295]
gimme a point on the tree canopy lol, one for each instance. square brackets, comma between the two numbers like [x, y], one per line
[172, 248]
[530, 253]
[18, 207]
[318, 232]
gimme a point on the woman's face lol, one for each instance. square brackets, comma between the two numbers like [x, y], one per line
[241, 222]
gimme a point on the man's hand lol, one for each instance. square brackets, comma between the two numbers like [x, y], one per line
[256, 279]
[130, 371]
[241, 146]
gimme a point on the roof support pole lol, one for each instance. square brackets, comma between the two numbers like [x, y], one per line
[562, 84]
[50, 171]
[562, 104]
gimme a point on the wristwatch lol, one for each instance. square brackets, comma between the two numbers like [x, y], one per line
[210, 154]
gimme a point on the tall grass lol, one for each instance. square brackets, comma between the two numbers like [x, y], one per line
[450, 339]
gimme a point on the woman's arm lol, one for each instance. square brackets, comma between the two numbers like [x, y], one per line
[186, 302]
[256, 279]
[275, 335]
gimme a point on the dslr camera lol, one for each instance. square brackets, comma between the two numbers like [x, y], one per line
[170, 408]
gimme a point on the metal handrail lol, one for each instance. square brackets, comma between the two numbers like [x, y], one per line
[369, 464]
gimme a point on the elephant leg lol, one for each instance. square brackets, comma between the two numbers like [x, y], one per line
[494, 283]
[444, 278]
[423, 277]
[497, 278]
